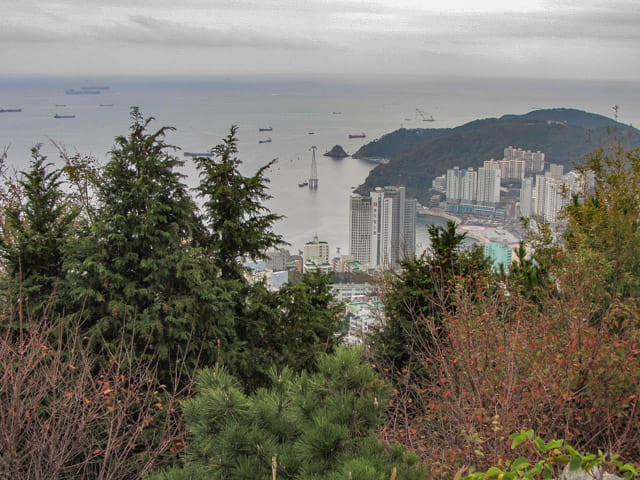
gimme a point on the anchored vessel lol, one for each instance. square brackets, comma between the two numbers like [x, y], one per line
[198, 154]
[82, 91]
[359, 135]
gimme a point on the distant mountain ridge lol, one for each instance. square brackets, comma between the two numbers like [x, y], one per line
[417, 156]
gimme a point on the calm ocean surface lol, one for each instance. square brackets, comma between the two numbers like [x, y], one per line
[202, 110]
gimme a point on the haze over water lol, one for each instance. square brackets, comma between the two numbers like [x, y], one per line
[202, 110]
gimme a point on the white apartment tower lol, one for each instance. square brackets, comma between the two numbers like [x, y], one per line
[533, 161]
[549, 197]
[453, 184]
[468, 184]
[488, 185]
[526, 197]
[556, 170]
[461, 184]
[382, 228]
[554, 200]
[360, 228]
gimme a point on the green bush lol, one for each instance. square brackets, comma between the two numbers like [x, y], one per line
[310, 426]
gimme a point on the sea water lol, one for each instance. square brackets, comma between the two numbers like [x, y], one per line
[302, 112]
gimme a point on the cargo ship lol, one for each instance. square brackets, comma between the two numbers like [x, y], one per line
[10, 110]
[268, 129]
[63, 116]
[268, 140]
[73, 91]
[95, 88]
[359, 135]
[198, 154]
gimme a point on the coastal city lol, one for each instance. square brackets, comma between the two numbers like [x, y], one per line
[488, 205]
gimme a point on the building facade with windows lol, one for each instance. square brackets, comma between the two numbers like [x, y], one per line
[382, 227]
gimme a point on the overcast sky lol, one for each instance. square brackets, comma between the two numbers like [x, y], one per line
[539, 38]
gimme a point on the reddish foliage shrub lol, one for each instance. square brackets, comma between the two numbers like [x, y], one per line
[508, 364]
[60, 417]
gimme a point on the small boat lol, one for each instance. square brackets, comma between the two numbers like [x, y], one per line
[359, 135]
[10, 110]
[303, 184]
[311, 133]
[268, 140]
[63, 116]
[337, 113]
[106, 104]
[60, 105]
[268, 129]
[198, 154]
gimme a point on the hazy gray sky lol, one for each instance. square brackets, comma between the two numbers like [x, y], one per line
[539, 38]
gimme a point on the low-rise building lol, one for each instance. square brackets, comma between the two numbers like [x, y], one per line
[361, 317]
[500, 255]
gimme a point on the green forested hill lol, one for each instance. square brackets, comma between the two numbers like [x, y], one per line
[398, 141]
[564, 135]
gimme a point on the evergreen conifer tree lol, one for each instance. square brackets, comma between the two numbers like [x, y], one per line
[289, 327]
[34, 237]
[312, 426]
[143, 271]
[239, 223]
[422, 290]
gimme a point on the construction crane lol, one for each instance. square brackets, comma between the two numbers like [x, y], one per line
[425, 119]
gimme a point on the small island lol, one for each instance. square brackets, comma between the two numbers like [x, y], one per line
[336, 152]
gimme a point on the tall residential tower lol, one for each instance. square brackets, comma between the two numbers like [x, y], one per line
[382, 227]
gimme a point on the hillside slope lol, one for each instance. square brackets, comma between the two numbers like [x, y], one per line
[564, 135]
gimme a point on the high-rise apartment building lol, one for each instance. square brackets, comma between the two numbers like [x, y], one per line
[453, 184]
[488, 185]
[556, 171]
[382, 227]
[461, 184]
[533, 161]
[440, 183]
[360, 228]
[549, 197]
[555, 200]
[526, 197]
[468, 184]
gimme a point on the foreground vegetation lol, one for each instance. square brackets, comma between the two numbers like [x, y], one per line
[552, 347]
[132, 343]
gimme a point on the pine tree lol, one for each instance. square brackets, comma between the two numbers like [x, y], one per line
[311, 426]
[35, 234]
